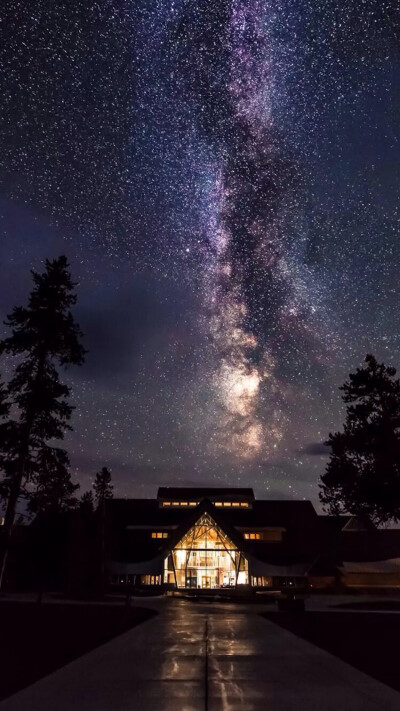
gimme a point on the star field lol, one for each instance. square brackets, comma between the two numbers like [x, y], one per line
[223, 177]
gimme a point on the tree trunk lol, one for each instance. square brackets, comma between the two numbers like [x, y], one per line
[9, 522]
[17, 479]
[103, 546]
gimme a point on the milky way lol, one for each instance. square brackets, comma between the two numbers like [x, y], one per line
[223, 176]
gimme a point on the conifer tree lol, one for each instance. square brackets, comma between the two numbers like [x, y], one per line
[44, 336]
[103, 489]
[54, 490]
[4, 412]
[86, 504]
[363, 473]
[4, 403]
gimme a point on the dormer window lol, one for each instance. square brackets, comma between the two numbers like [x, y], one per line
[265, 534]
[179, 504]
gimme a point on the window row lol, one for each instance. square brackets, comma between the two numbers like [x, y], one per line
[151, 579]
[159, 534]
[226, 504]
[179, 503]
[261, 581]
[263, 535]
[135, 579]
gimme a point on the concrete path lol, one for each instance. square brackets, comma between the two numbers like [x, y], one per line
[198, 657]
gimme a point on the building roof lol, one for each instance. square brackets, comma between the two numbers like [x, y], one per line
[308, 539]
[287, 514]
[347, 522]
[186, 493]
[132, 519]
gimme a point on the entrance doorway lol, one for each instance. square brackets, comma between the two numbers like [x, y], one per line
[206, 581]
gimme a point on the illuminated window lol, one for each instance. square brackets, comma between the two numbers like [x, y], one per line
[272, 535]
[261, 581]
[206, 558]
[151, 579]
[269, 535]
[159, 534]
[180, 503]
[236, 504]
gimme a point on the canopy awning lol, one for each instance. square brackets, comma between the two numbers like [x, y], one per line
[272, 570]
[392, 565]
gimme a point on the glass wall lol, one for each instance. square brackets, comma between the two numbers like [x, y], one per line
[206, 558]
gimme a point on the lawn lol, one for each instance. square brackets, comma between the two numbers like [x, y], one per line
[367, 640]
[35, 640]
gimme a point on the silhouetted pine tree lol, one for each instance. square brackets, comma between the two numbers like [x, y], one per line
[103, 489]
[86, 504]
[54, 490]
[44, 336]
[4, 412]
[363, 473]
[4, 403]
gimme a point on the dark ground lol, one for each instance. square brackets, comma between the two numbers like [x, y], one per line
[389, 605]
[35, 640]
[368, 641]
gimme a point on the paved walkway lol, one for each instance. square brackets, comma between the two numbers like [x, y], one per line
[198, 657]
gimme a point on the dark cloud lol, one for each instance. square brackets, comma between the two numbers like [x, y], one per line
[315, 449]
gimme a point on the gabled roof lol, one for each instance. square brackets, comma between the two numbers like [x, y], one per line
[131, 521]
[205, 506]
[288, 514]
[347, 522]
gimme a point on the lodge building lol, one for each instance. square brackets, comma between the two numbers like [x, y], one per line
[215, 538]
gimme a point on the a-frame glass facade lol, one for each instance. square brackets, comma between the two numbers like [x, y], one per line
[206, 558]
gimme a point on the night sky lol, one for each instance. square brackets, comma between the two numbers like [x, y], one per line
[223, 178]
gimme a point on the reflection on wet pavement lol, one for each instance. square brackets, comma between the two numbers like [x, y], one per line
[199, 657]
